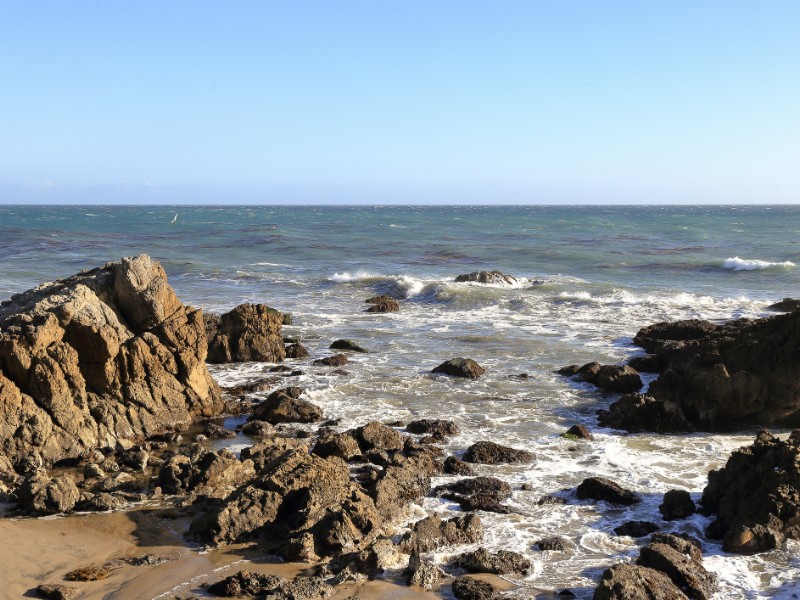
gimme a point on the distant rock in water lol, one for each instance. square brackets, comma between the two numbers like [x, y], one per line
[487, 277]
[250, 332]
[460, 367]
[756, 495]
[382, 304]
[108, 354]
[785, 305]
[347, 345]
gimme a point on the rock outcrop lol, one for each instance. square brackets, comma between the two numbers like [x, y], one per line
[250, 332]
[756, 495]
[106, 355]
[487, 277]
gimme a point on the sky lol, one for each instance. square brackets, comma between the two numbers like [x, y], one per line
[532, 102]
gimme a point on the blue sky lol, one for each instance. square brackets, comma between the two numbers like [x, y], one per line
[390, 101]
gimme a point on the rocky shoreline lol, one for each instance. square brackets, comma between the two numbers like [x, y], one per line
[107, 403]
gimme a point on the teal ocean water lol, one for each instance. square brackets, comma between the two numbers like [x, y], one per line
[588, 279]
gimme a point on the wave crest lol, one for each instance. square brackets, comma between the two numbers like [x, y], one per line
[743, 264]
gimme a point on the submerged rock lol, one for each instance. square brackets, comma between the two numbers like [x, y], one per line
[347, 345]
[460, 367]
[636, 529]
[250, 332]
[296, 350]
[785, 305]
[613, 378]
[756, 495]
[487, 277]
[436, 427]
[490, 453]
[337, 360]
[382, 304]
[600, 488]
[105, 355]
[641, 412]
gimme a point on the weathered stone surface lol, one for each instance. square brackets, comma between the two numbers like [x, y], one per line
[677, 504]
[633, 582]
[250, 332]
[685, 572]
[58, 592]
[43, 495]
[756, 495]
[641, 412]
[337, 360]
[487, 277]
[436, 427]
[244, 583]
[468, 588]
[456, 466]
[613, 378]
[460, 367]
[432, 532]
[579, 432]
[349, 345]
[729, 376]
[296, 350]
[105, 355]
[490, 453]
[423, 573]
[375, 436]
[600, 488]
[479, 493]
[285, 406]
[344, 445]
[382, 304]
[204, 472]
[497, 563]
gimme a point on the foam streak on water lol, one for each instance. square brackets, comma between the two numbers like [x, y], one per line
[588, 280]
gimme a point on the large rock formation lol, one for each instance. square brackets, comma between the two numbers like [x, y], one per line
[108, 354]
[721, 377]
[250, 332]
[756, 495]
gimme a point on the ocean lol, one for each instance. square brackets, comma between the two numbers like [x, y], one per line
[588, 279]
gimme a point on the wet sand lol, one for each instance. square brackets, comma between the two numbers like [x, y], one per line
[36, 551]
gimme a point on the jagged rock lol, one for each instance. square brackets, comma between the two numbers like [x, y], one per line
[244, 583]
[455, 466]
[756, 495]
[431, 533]
[284, 406]
[375, 436]
[436, 427]
[260, 385]
[43, 495]
[58, 592]
[685, 572]
[785, 305]
[579, 432]
[217, 432]
[729, 376]
[489, 453]
[497, 563]
[102, 502]
[265, 451]
[468, 588]
[641, 412]
[337, 360]
[460, 367]
[105, 355]
[633, 582]
[406, 479]
[349, 345]
[250, 332]
[554, 544]
[636, 529]
[344, 445]
[683, 543]
[204, 472]
[487, 277]
[423, 573]
[382, 304]
[677, 504]
[134, 458]
[296, 350]
[600, 488]
[479, 493]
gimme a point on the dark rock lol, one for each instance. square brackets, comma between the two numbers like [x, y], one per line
[554, 544]
[685, 572]
[484, 502]
[296, 350]
[621, 379]
[636, 529]
[134, 458]
[469, 588]
[349, 345]
[201, 471]
[244, 583]
[260, 385]
[785, 305]
[431, 533]
[405, 479]
[250, 332]
[436, 427]
[633, 582]
[683, 543]
[423, 573]
[640, 412]
[455, 466]
[102, 502]
[258, 429]
[382, 304]
[650, 363]
[756, 495]
[487, 277]
[489, 453]
[58, 592]
[479, 485]
[460, 367]
[565, 593]
[677, 504]
[74, 354]
[216, 432]
[579, 432]
[284, 406]
[551, 499]
[344, 445]
[497, 563]
[600, 488]
[337, 360]
[42, 495]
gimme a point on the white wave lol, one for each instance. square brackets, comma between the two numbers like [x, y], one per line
[743, 264]
[269, 264]
[346, 276]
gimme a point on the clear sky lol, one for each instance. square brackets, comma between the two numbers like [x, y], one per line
[400, 101]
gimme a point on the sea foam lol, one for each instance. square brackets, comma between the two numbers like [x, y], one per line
[743, 264]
